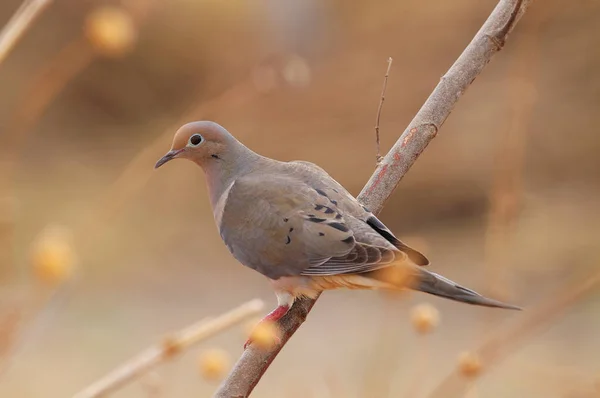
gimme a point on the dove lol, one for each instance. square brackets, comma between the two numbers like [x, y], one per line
[296, 225]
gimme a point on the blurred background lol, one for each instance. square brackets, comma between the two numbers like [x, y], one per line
[101, 256]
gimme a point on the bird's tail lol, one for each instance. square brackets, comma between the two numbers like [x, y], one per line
[437, 285]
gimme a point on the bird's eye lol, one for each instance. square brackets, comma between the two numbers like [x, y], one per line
[195, 140]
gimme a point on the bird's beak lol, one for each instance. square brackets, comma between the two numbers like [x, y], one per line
[169, 156]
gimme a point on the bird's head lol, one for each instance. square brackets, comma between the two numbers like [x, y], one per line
[201, 142]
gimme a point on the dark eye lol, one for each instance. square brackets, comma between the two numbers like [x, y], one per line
[196, 139]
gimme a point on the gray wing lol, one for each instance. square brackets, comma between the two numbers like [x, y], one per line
[281, 226]
[328, 187]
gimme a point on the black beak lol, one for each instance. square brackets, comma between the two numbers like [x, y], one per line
[169, 156]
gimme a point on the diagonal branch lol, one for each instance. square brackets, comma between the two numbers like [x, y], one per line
[18, 24]
[488, 41]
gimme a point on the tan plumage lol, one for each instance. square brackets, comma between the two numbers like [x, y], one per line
[299, 227]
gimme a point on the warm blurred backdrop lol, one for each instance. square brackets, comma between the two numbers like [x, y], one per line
[505, 199]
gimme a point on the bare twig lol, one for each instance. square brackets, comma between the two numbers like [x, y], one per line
[18, 24]
[378, 156]
[488, 41]
[167, 349]
[500, 345]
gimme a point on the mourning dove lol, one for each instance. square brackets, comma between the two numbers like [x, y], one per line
[296, 225]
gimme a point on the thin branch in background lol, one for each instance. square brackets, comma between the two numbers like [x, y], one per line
[10, 322]
[488, 41]
[108, 32]
[506, 191]
[384, 356]
[43, 88]
[169, 348]
[499, 346]
[425, 319]
[378, 156]
[18, 24]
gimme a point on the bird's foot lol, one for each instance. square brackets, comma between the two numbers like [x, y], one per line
[269, 320]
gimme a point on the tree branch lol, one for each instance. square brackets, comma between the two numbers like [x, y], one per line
[18, 24]
[488, 41]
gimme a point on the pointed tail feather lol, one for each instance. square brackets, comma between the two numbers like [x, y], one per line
[437, 285]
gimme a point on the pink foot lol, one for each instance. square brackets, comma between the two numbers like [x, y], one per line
[272, 316]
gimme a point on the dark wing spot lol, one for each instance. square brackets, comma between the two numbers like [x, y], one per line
[291, 229]
[215, 156]
[286, 219]
[321, 234]
[315, 219]
[319, 207]
[321, 192]
[339, 226]
[366, 209]
[334, 202]
[348, 240]
[335, 190]
[328, 210]
[288, 240]
[338, 216]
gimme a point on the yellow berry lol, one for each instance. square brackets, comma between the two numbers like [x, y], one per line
[265, 335]
[110, 30]
[425, 318]
[214, 363]
[53, 257]
[469, 364]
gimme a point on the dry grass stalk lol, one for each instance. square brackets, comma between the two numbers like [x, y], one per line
[169, 348]
[506, 190]
[488, 41]
[18, 24]
[10, 322]
[499, 346]
[424, 318]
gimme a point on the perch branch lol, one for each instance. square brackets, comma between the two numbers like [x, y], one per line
[169, 348]
[378, 156]
[488, 41]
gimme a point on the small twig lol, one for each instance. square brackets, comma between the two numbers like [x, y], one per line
[423, 128]
[18, 24]
[169, 348]
[378, 156]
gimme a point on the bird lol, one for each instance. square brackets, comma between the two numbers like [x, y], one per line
[296, 225]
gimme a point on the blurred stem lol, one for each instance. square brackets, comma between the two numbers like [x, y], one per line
[507, 187]
[44, 87]
[169, 348]
[19, 23]
[420, 377]
[383, 359]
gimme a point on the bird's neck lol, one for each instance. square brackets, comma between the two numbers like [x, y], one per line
[221, 172]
